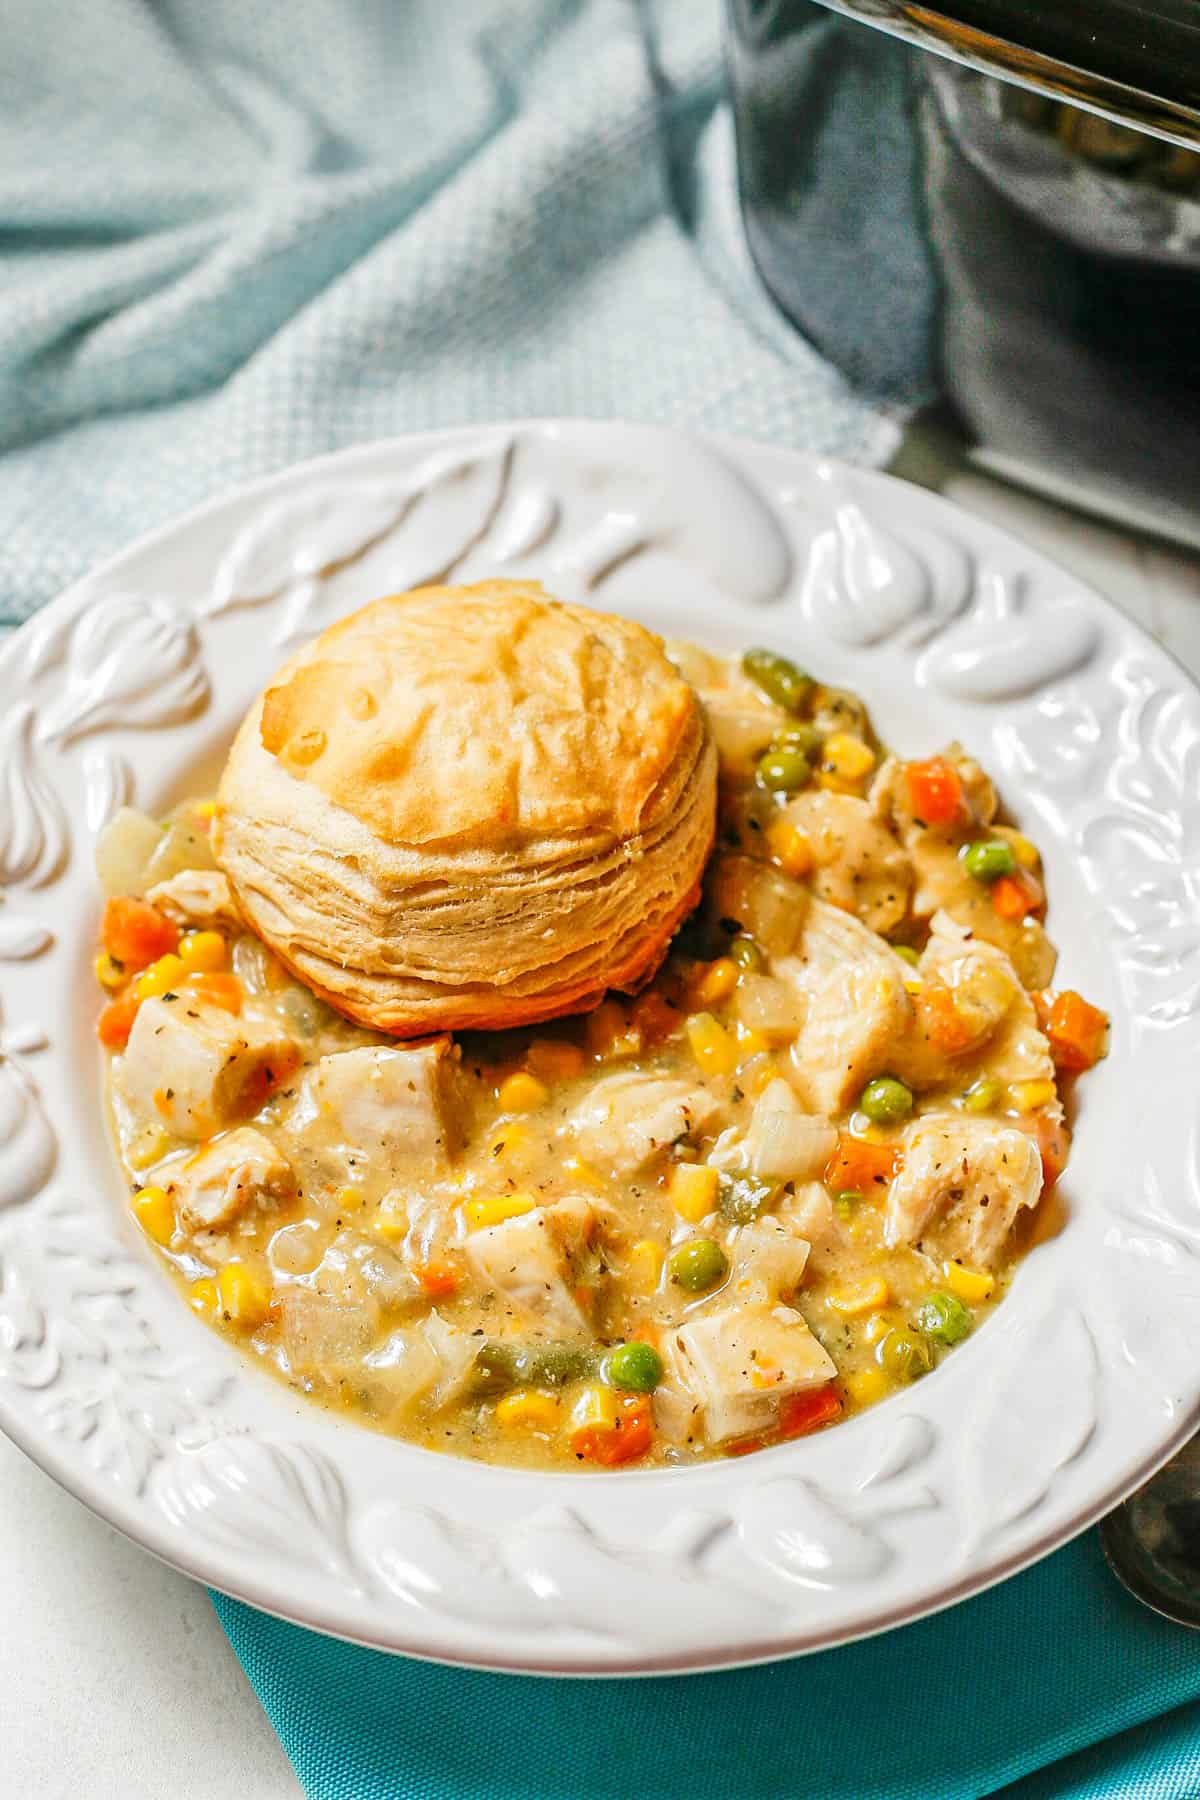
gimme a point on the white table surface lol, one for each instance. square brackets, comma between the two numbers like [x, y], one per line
[117, 1681]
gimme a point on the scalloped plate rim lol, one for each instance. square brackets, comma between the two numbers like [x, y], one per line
[143, 1524]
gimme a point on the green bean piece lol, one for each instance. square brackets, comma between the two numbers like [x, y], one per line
[744, 1198]
[779, 679]
[555, 1365]
[886, 1101]
[636, 1366]
[496, 1368]
[698, 1265]
[988, 860]
[800, 736]
[944, 1319]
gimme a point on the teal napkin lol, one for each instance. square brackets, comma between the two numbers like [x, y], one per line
[1058, 1663]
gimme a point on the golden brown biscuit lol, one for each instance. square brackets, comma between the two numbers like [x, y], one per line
[469, 807]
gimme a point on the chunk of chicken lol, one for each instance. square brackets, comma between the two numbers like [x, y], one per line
[391, 1104]
[628, 1119]
[769, 1260]
[199, 897]
[991, 1015]
[857, 1007]
[195, 1068]
[740, 1362]
[219, 1183]
[857, 863]
[535, 1261]
[960, 1187]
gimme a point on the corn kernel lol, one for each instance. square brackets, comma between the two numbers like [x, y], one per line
[206, 809]
[553, 1059]
[522, 1092]
[878, 1326]
[970, 1285]
[1027, 1096]
[1027, 854]
[712, 1046]
[865, 1386]
[597, 1408]
[149, 1145]
[154, 1211]
[645, 1264]
[160, 977]
[576, 1170]
[913, 984]
[790, 848]
[530, 1409]
[202, 1296]
[716, 983]
[860, 1297]
[693, 1188]
[243, 1295]
[481, 1213]
[608, 1032]
[109, 972]
[510, 1141]
[203, 952]
[845, 761]
[750, 1042]
[757, 1077]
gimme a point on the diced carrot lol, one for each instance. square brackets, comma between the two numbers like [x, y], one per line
[941, 1020]
[439, 1279]
[1054, 1143]
[218, 989]
[1076, 1030]
[655, 1018]
[1015, 896]
[629, 1438]
[646, 1333]
[801, 1413]
[744, 1446]
[136, 933]
[935, 791]
[116, 1022]
[858, 1166]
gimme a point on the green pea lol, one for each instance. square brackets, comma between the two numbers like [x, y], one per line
[746, 953]
[636, 1366]
[983, 1096]
[800, 736]
[496, 1368]
[907, 954]
[778, 678]
[904, 1356]
[988, 861]
[944, 1319]
[744, 1198]
[555, 1365]
[698, 1265]
[783, 771]
[886, 1101]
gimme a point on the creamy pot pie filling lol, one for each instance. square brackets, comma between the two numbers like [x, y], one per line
[783, 1181]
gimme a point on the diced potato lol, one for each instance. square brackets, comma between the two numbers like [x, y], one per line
[228, 1176]
[769, 1260]
[194, 1068]
[763, 901]
[783, 1142]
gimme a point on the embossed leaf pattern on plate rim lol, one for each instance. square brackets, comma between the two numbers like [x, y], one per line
[125, 1398]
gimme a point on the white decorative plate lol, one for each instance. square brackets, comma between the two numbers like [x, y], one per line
[1087, 1377]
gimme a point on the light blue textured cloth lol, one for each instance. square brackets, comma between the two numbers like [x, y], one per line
[232, 236]
[235, 235]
